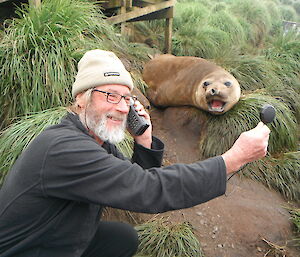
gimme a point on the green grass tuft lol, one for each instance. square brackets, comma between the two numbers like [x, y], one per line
[224, 21]
[15, 138]
[280, 172]
[288, 13]
[255, 13]
[161, 238]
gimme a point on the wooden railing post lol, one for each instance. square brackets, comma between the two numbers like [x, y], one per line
[122, 11]
[168, 35]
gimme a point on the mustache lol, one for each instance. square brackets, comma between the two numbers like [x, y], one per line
[116, 116]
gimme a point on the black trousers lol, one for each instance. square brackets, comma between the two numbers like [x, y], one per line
[113, 239]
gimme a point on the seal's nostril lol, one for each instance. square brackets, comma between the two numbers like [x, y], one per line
[213, 91]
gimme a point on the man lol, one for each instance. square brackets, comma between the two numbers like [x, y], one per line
[51, 201]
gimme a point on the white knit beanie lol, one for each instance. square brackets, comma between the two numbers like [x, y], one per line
[99, 67]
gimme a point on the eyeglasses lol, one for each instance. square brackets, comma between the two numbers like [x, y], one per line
[115, 98]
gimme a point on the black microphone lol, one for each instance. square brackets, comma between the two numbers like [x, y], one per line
[267, 113]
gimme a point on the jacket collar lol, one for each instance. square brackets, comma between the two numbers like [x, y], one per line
[74, 118]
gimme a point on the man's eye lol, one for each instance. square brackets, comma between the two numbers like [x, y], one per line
[113, 97]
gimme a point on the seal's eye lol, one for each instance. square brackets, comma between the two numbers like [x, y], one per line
[206, 83]
[227, 83]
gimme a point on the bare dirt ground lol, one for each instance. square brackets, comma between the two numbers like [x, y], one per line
[234, 225]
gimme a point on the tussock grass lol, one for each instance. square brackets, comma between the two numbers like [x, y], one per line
[224, 21]
[38, 55]
[161, 238]
[275, 15]
[219, 7]
[255, 14]
[200, 32]
[296, 6]
[16, 137]
[284, 53]
[40, 50]
[252, 72]
[280, 172]
[190, 12]
[288, 13]
[207, 43]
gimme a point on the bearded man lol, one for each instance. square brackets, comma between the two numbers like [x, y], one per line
[51, 200]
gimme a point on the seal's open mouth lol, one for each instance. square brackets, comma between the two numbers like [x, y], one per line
[216, 105]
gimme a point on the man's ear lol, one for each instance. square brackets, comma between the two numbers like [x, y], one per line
[80, 101]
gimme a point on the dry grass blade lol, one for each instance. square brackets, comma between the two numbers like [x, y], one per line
[275, 250]
[295, 217]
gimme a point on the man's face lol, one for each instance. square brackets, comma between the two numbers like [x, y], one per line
[107, 120]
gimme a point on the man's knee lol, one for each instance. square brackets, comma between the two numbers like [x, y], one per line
[113, 239]
[129, 236]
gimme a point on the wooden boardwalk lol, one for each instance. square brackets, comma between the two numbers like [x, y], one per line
[141, 10]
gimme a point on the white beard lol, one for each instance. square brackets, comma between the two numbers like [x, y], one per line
[97, 124]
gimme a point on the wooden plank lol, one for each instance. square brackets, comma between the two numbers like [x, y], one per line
[106, 4]
[154, 1]
[161, 14]
[140, 12]
[2, 1]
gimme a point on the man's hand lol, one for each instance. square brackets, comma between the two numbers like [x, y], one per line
[146, 138]
[250, 146]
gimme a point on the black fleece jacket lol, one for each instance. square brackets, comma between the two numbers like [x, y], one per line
[51, 200]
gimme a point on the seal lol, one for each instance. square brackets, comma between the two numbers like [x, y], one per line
[192, 81]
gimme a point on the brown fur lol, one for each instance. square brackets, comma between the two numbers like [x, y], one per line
[177, 81]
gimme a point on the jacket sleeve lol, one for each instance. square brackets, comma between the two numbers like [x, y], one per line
[148, 158]
[78, 169]
[145, 157]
